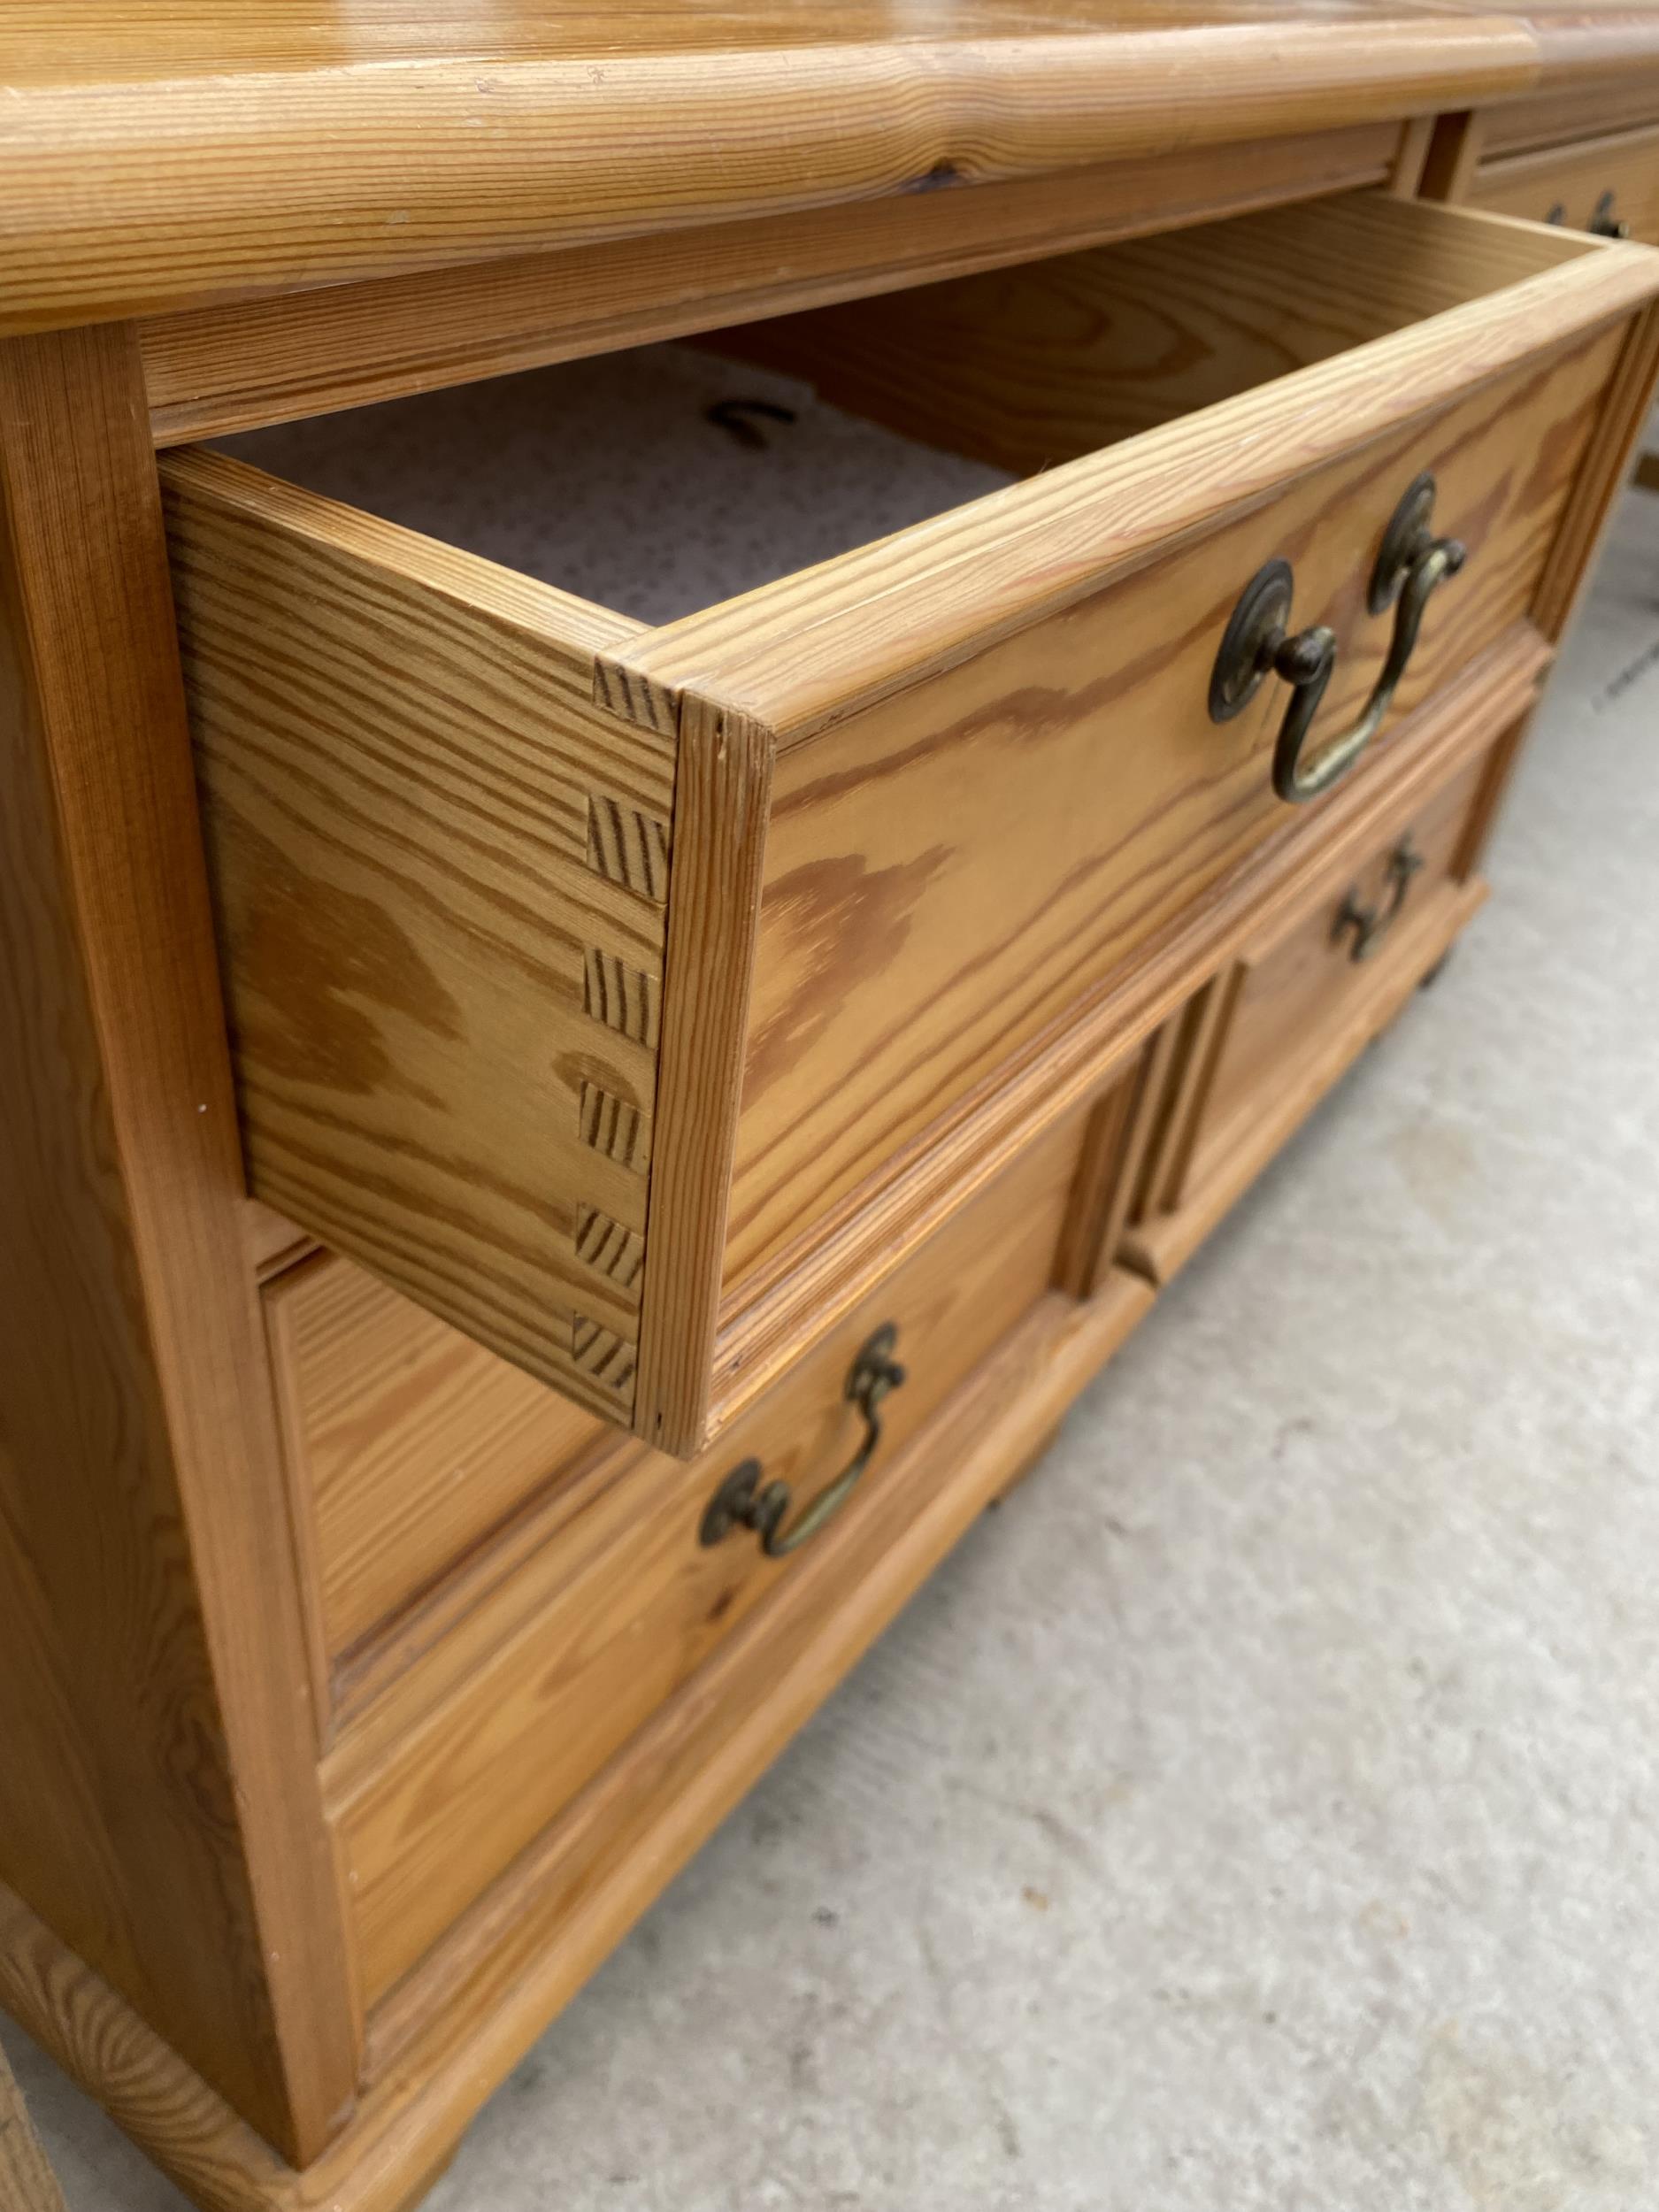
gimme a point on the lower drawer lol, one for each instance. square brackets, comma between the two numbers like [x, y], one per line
[431, 1806]
[1332, 963]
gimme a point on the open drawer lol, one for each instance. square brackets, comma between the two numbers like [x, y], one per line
[631, 995]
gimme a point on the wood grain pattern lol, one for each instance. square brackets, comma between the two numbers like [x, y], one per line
[425, 1831]
[984, 849]
[1055, 359]
[626, 846]
[1082, 1261]
[722, 806]
[1452, 161]
[615, 1126]
[1405, 172]
[410, 1444]
[623, 997]
[540, 1935]
[1274, 1027]
[345, 809]
[230, 367]
[1202, 1036]
[158, 162]
[1625, 99]
[158, 1802]
[820, 645]
[609, 1248]
[607, 1359]
[1158, 1248]
[27, 2182]
[273, 1242]
[921, 1183]
[1620, 424]
[399, 759]
[1292, 989]
[1575, 180]
[550, 1919]
[1581, 46]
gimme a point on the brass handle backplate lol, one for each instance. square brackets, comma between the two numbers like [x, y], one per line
[1411, 563]
[1371, 923]
[741, 1501]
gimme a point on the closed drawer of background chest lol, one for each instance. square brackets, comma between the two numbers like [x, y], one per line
[1610, 185]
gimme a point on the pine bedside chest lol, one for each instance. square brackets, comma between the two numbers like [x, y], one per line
[713, 717]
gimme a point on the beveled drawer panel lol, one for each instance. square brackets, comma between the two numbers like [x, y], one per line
[601, 986]
[1331, 961]
[1603, 185]
[433, 1796]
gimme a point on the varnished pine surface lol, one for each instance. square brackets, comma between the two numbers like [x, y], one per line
[407, 1443]
[568, 1903]
[157, 1788]
[335, 673]
[156, 159]
[267, 360]
[1576, 180]
[429, 1814]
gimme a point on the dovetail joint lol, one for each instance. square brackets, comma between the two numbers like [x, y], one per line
[602, 1355]
[613, 1126]
[623, 997]
[610, 1247]
[628, 846]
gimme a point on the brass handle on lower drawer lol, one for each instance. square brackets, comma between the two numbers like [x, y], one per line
[1371, 923]
[1410, 564]
[741, 1502]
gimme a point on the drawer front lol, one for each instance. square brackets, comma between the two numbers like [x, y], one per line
[599, 988]
[407, 1443]
[1600, 186]
[429, 1819]
[1264, 1041]
[1606, 107]
[951, 871]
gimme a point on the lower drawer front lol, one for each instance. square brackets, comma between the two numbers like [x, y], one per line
[407, 1444]
[433, 1820]
[1266, 1038]
[1600, 186]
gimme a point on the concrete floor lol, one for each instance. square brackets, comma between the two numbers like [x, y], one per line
[1259, 1810]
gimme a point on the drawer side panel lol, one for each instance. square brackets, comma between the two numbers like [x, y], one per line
[441, 878]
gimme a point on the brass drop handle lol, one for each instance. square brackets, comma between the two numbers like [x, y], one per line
[1410, 566]
[741, 1502]
[1371, 923]
[1604, 223]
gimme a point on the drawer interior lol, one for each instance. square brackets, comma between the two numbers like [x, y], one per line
[612, 908]
[661, 481]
